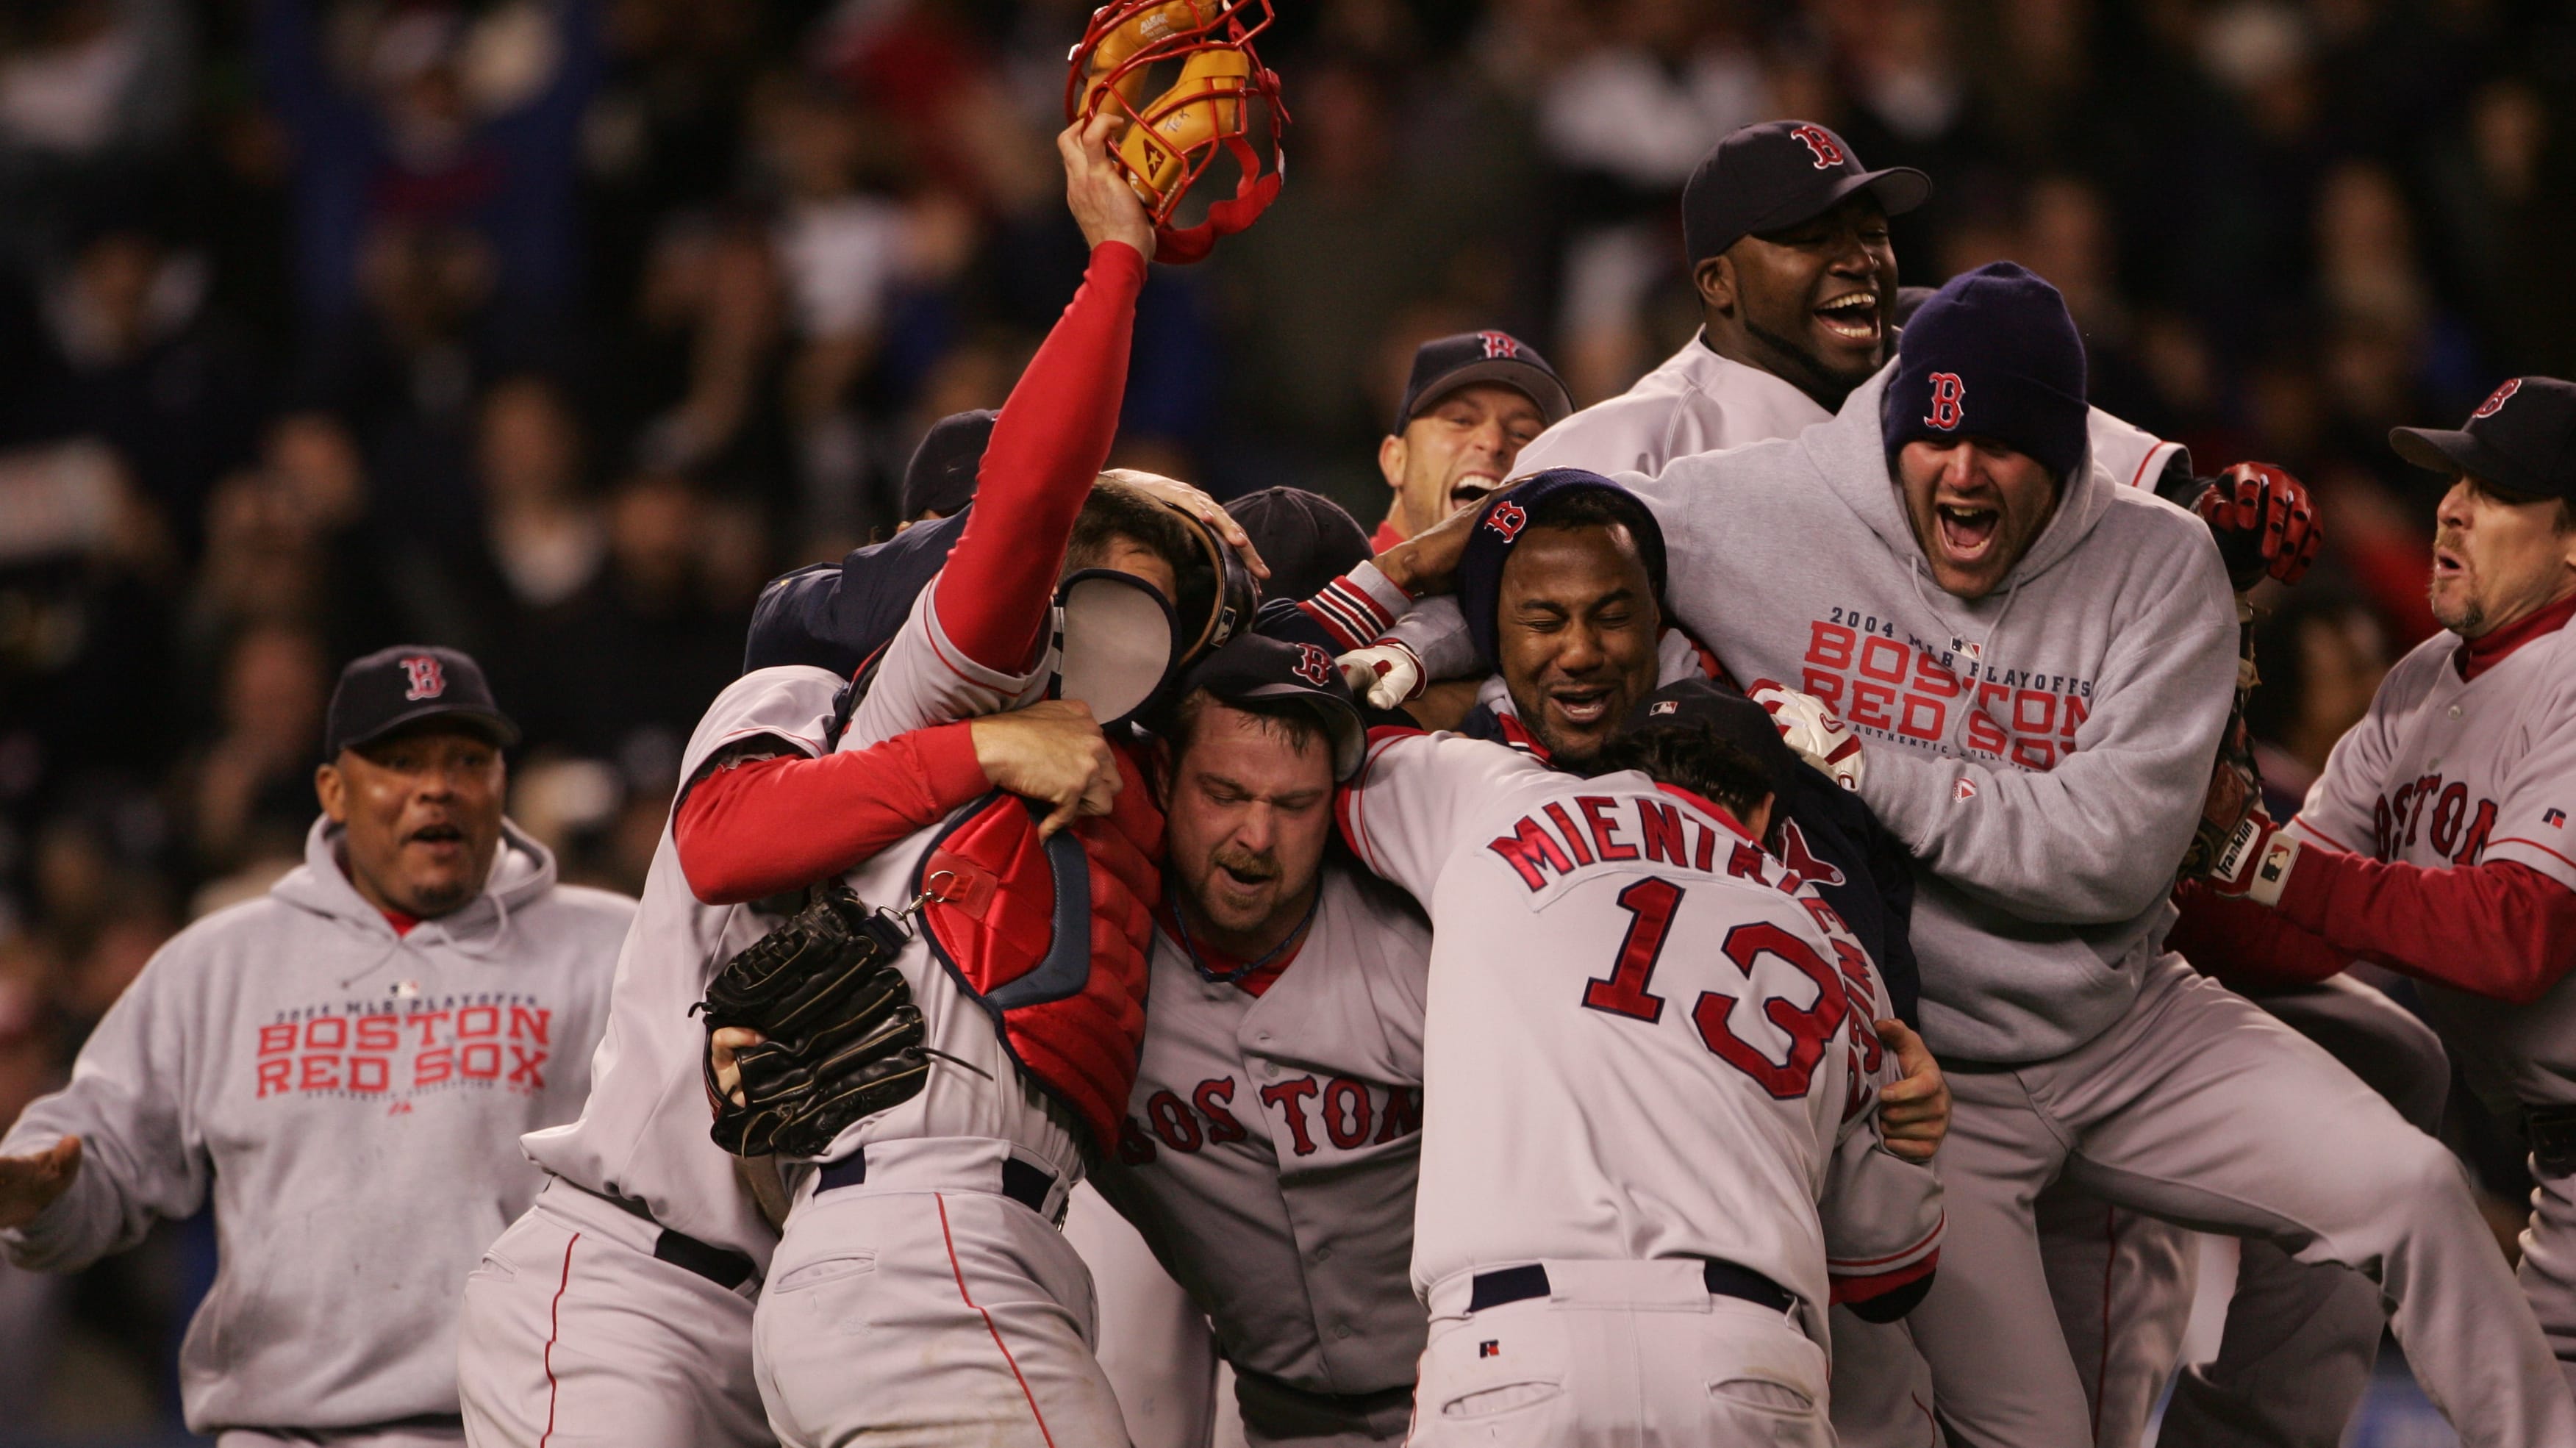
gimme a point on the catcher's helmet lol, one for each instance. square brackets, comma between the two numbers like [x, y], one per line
[1216, 84]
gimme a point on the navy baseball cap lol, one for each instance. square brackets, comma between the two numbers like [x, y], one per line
[405, 684]
[1506, 516]
[1256, 666]
[1775, 175]
[941, 476]
[1445, 364]
[1736, 719]
[2522, 439]
[1307, 539]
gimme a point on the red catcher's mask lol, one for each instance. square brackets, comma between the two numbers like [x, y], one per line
[1212, 84]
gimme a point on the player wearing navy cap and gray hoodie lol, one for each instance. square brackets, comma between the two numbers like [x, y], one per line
[344, 1066]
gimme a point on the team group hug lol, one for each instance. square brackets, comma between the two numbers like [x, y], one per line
[1739, 915]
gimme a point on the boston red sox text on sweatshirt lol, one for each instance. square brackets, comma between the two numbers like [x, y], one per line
[2043, 751]
[353, 1098]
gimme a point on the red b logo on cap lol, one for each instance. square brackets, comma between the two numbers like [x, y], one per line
[1947, 389]
[2495, 403]
[428, 680]
[1313, 667]
[1828, 152]
[1508, 518]
[1499, 344]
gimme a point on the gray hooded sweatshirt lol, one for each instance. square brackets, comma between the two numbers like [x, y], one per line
[354, 1099]
[2043, 751]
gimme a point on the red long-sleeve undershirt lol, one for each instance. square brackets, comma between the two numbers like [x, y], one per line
[2498, 929]
[1048, 444]
[770, 825]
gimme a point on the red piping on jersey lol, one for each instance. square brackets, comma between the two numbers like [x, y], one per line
[554, 1329]
[2137, 479]
[751, 829]
[2480, 654]
[1048, 444]
[963, 1296]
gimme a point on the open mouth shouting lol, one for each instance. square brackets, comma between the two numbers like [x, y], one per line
[1851, 317]
[1470, 488]
[1582, 708]
[439, 838]
[1967, 529]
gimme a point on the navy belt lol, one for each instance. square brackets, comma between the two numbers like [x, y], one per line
[1724, 1279]
[1025, 1184]
[722, 1266]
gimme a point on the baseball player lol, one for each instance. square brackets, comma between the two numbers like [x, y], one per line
[1268, 1149]
[345, 1066]
[2435, 843]
[2042, 663]
[1471, 403]
[1788, 245]
[1591, 1278]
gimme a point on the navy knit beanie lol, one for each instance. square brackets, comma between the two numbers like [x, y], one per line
[1993, 354]
[1507, 517]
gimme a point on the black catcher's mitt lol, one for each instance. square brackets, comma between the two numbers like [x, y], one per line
[844, 1039]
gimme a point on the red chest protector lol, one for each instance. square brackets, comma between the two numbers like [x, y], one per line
[1051, 937]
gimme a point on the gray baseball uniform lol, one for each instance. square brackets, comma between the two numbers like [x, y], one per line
[2445, 772]
[1270, 1154]
[2106, 1265]
[582, 1327]
[2044, 752]
[1590, 1278]
[351, 1098]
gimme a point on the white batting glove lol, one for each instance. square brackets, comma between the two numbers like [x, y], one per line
[1387, 674]
[1812, 729]
[2257, 860]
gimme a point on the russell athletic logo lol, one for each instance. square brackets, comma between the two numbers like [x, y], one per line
[2495, 403]
[1947, 389]
[1827, 151]
[428, 680]
[1508, 518]
[1498, 344]
[1313, 666]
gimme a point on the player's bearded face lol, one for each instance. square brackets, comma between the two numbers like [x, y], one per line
[1457, 450]
[2496, 559]
[1975, 507]
[1817, 302]
[422, 817]
[1576, 624]
[1250, 807]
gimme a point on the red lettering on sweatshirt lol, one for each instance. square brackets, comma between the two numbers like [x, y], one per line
[350, 1050]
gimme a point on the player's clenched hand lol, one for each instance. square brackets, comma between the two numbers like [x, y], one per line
[29, 1184]
[1811, 728]
[1913, 1113]
[1096, 191]
[1428, 561]
[2264, 522]
[1051, 752]
[721, 1046]
[1199, 505]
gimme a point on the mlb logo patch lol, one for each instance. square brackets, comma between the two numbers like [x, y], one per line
[1490, 1347]
[2556, 819]
[1664, 706]
[1964, 790]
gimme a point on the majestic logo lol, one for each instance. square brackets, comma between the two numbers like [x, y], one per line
[1314, 666]
[1498, 344]
[1947, 389]
[428, 680]
[1963, 791]
[1490, 1347]
[1828, 152]
[2556, 819]
[1508, 519]
[2495, 401]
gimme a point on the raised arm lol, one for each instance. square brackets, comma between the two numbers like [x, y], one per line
[1054, 433]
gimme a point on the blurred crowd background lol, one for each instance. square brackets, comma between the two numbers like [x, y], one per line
[551, 328]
